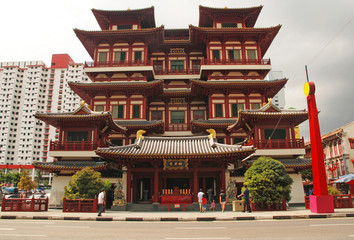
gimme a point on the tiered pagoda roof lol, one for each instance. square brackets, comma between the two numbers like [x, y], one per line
[268, 88]
[105, 18]
[247, 118]
[58, 166]
[159, 148]
[82, 115]
[247, 15]
[89, 90]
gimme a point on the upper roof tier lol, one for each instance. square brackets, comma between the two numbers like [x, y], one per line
[209, 17]
[113, 20]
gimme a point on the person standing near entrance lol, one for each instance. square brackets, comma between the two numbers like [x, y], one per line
[200, 196]
[101, 202]
[222, 199]
[246, 196]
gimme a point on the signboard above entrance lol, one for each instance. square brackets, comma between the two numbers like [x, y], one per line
[175, 164]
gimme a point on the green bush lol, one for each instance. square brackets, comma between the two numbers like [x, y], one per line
[85, 184]
[268, 181]
[333, 190]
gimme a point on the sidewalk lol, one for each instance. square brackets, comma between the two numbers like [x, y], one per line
[292, 213]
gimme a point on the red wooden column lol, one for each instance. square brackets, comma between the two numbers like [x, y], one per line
[223, 184]
[129, 179]
[195, 181]
[156, 181]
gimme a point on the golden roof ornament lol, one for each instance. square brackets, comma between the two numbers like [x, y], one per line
[82, 103]
[212, 133]
[225, 7]
[270, 101]
[140, 134]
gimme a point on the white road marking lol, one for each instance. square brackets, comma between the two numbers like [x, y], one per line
[22, 235]
[6, 229]
[68, 226]
[333, 224]
[200, 228]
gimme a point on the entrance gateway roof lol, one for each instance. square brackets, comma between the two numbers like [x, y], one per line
[196, 147]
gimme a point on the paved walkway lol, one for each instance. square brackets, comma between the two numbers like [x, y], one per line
[292, 213]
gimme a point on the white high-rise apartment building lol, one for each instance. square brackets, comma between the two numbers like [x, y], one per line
[29, 87]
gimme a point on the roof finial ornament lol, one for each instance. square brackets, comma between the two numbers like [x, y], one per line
[270, 101]
[128, 9]
[211, 137]
[82, 103]
[225, 7]
[139, 138]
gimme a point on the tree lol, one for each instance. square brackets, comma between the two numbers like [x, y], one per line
[85, 184]
[268, 181]
[306, 175]
[25, 182]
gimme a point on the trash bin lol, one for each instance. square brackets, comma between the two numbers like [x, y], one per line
[237, 205]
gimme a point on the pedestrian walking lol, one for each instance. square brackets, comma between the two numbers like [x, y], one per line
[101, 202]
[200, 196]
[222, 199]
[204, 202]
[212, 205]
[246, 197]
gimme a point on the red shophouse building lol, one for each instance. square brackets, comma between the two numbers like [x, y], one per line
[175, 85]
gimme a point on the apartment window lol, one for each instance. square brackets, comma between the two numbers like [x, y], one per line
[218, 110]
[117, 111]
[216, 54]
[198, 114]
[119, 56]
[136, 111]
[177, 117]
[177, 64]
[236, 107]
[229, 25]
[274, 133]
[234, 55]
[77, 136]
[351, 142]
[102, 57]
[99, 108]
[251, 54]
[137, 56]
[156, 115]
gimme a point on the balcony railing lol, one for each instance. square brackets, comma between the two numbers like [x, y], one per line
[178, 127]
[235, 62]
[278, 143]
[177, 71]
[75, 145]
[118, 63]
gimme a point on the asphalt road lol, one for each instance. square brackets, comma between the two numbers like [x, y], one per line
[271, 229]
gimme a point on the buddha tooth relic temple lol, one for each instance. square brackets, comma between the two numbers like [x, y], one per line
[170, 111]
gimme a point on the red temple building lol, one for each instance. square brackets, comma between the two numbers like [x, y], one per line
[170, 111]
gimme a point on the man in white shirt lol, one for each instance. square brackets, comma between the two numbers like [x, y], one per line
[101, 202]
[200, 196]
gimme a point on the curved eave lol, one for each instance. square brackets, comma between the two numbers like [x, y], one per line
[264, 35]
[270, 87]
[50, 167]
[157, 127]
[245, 117]
[87, 90]
[104, 17]
[251, 13]
[211, 124]
[90, 39]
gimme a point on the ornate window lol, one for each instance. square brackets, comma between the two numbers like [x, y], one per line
[136, 111]
[177, 117]
[236, 107]
[156, 115]
[117, 111]
[218, 110]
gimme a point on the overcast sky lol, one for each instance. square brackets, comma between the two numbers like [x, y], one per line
[317, 33]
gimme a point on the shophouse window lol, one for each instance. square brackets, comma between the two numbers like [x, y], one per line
[137, 56]
[236, 107]
[177, 64]
[177, 117]
[274, 133]
[136, 111]
[251, 53]
[119, 56]
[77, 136]
[198, 114]
[117, 111]
[234, 55]
[218, 110]
[156, 115]
[99, 108]
[216, 54]
[102, 57]
[229, 25]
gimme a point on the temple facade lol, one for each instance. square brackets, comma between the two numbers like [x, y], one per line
[170, 111]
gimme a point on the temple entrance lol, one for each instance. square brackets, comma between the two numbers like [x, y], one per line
[181, 183]
[143, 190]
